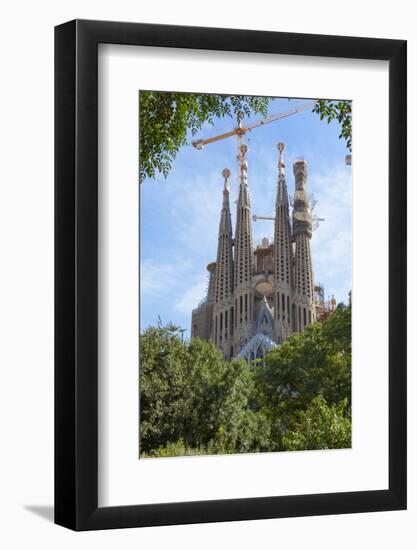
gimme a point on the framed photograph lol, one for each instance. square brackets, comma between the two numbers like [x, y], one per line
[230, 284]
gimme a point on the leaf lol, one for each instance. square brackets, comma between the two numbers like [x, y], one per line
[166, 118]
[340, 110]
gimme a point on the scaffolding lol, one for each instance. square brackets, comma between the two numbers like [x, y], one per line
[324, 308]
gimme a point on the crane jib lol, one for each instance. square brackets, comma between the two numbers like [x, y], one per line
[240, 131]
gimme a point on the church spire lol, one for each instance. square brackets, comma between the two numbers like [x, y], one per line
[282, 194]
[243, 237]
[224, 267]
[283, 250]
[283, 257]
[302, 231]
[243, 288]
[223, 313]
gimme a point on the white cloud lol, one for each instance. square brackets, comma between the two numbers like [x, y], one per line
[197, 211]
[155, 277]
[190, 298]
[332, 241]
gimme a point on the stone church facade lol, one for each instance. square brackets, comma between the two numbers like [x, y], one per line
[257, 297]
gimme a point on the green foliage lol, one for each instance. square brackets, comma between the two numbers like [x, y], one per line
[167, 119]
[320, 426]
[162, 385]
[189, 396]
[192, 402]
[340, 111]
[315, 362]
[178, 448]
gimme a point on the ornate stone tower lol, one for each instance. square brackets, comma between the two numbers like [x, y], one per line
[283, 256]
[303, 308]
[223, 310]
[243, 269]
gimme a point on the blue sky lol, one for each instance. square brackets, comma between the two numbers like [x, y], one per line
[179, 216]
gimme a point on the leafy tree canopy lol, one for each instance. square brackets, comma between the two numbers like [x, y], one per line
[320, 426]
[167, 119]
[190, 397]
[316, 362]
[337, 110]
[193, 402]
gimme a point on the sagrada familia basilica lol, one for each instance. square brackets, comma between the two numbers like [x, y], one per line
[257, 297]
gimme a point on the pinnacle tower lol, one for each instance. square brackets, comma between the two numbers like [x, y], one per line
[304, 308]
[223, 280]
[283, 256]
[243, 268]
[224, 267]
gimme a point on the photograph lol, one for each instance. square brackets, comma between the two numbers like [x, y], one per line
[245, 274]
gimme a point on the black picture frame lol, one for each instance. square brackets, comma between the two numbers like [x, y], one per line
[76, 273]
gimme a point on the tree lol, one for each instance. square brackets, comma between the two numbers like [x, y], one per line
[163, 385]
[167, 119]
[220, 415]
[193, 402]
[191, 399]
[320, 426]
[340, 111]
[307, 365]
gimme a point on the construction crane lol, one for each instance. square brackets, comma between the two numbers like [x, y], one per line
[315, 220]
[256, 218]
[242, 130]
